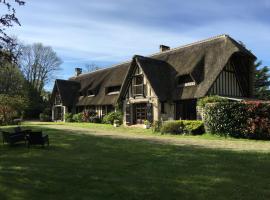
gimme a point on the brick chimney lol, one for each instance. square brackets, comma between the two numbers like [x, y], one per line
[163, 48]
[78, 71]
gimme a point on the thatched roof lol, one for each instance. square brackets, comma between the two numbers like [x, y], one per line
[98, 81]
[68, 91]
[203, 61]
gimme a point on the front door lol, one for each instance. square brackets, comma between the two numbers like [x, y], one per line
[140, 113]
[58, 113]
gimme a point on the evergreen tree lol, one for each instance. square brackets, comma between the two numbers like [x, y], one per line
[261, 81]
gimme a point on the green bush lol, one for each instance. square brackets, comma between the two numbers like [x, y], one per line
[156, 126]
[173, 127]
[110, 117]
[241, 120]
[228, 119]
[94, 119]
[211, 99]
[78, 117]
[44, 117]
[193, 127]
[69, 117]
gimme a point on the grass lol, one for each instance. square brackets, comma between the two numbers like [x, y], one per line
[78, 166]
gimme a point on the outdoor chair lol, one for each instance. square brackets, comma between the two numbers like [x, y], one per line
[36, 138]
[12, 138]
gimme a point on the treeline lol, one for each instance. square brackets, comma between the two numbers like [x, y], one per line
[24, 72]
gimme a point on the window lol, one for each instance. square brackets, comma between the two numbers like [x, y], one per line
[113, 90]
[185, 80]
[57, 99]
[90, 93]
[138, 80]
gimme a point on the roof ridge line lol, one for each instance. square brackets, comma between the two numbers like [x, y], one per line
[159, 53]
[191, 44]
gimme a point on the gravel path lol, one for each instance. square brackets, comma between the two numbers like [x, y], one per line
[237, 145]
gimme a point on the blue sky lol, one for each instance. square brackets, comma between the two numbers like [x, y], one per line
[106, 32]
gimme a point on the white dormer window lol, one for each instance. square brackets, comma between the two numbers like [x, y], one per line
[90, 93]
[185, 80]
[113, 90]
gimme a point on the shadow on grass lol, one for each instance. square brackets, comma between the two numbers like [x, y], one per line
[87, 167]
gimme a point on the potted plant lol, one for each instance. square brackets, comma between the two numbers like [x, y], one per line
[116, 123]
[146, 124]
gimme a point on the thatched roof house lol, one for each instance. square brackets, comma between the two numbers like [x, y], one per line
[164, 85]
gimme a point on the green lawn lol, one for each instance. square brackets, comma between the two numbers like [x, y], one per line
[78, 166]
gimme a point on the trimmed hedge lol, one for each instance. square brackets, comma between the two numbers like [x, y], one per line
[240, 120]
[191, 127]
[211, 99]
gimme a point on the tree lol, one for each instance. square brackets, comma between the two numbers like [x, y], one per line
[39, 64]
[10, 108]
[8, 20]
[261, 81]
[91, 67]
[12, 81]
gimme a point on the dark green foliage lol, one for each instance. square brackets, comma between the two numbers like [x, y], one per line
[10, 108]
[191, 127]
[241, 120]
[173, 127]
[228, 119]
[44, 117]
[211, 99]
[156, 126]
[68, 117]
[94, 119]
[77, 117]
[261, 81]
[110, 117]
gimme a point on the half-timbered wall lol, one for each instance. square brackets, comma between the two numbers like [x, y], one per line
[227, 83]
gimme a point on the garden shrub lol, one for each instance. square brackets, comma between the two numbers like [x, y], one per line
[240, 119]
[68, 117]
[44, 117]
[94, 119]
[258, 123]
[110, 117]
[211, 99]
[191, 127]
[78, 117]
[173, 127]
[11, 107]
[156, 126]
[87, 115]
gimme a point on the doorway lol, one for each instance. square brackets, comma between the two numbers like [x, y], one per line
[186, 109]
[140, 113]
